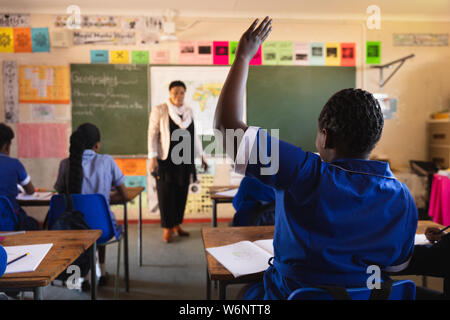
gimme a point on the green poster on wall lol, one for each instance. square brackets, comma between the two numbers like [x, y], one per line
[373, 52]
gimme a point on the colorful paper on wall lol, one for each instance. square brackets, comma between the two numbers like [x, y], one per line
[134, 204]
[285, 53]
[133, 23]
[22, 40]
[160, 57]
[301, 53]
[269, 53]
[44, 84]
[14, 20]
[136, 181]
[40, 40]
[348, 54]
[37, 140]
[11, 91]
[120, 56]
[140, 57]
[233, 46]
[6, 40]
[187, 52]
[104, 38]
[220, 53]
[257, 58]
[99, 56]
[333, 54]
[43, 112]
[373, 52]
[132, 167]
[205, 54]
[316, 54]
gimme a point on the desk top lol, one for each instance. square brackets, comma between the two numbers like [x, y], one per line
[68, 245]
[133, 192]
[214, 237]
[214, 189]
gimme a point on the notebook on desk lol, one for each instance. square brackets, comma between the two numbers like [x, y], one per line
[34, 196]
[37, 253]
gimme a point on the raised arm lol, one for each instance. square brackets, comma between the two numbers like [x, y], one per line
[230, 105]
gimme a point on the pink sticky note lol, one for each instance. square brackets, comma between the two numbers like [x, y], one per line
[257, 58]
[42, 140]
[187, 53]
[204, 52]
[220, 52]
[160, 57]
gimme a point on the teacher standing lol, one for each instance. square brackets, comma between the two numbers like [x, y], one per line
[172, 177]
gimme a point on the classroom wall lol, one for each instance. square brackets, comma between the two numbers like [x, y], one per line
[421, 85]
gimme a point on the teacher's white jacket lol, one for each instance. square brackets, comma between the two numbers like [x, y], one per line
[159, 133]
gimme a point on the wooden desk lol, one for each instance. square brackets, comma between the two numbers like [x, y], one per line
[216, 199]
[67, 247]
[214, 237]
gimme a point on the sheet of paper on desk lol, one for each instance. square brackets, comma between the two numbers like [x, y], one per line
[227, 193]
[28, 263]
[421, 239]
[241, 258]
[35, 196]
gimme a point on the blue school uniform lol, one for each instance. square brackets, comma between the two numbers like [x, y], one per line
[12, 173]
[332, 220]
[250, 196]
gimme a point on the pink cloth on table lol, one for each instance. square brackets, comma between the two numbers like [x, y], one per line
[439, 209]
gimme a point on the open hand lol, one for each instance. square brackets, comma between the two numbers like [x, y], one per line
[252, 38]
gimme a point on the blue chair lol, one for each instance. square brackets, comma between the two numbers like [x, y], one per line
[401, 290]
[8, 218]
[3, 259]
[97, 215]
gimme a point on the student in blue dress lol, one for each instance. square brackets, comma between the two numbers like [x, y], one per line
[336, 214]
[87, 172]
[254, 204]
[12, 174]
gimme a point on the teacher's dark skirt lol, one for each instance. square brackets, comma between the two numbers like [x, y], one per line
[172, 202]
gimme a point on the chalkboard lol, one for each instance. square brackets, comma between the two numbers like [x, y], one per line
[291, 98]
[115, 99]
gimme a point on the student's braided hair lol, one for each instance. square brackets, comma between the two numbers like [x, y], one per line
[6, 135]
[85, 137]
[354, 118]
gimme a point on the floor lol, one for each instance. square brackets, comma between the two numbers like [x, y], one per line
[170, 271]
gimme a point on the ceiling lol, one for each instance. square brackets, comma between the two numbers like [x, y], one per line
[289, 9]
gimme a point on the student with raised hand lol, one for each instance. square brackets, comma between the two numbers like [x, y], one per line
[12, 174]
[87, 172]
[336, 214]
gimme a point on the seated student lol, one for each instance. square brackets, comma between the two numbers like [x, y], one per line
[254, 204]
[336, 214]
[12, 174]
[431, 260]
[87, 172]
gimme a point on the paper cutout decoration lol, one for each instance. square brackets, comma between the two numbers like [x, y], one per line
[269, 53]
[36, 140]
[232, 45]
[348, 54]
[187, 52]
[40, 40]
[373, 52]
[332, 54]
[44, 84]
[220, 53]
[11, 91]
[22, 40]
[160, 57]
[285, 53]
[316, 54]
[204, 51]
[99, 56]
[120, 56]
[301, 53]
[140, 57]
[6, 40]
[132, 166]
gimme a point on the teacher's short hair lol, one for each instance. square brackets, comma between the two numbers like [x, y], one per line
[177, 83]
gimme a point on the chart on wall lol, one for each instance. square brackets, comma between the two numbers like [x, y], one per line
[203, 87]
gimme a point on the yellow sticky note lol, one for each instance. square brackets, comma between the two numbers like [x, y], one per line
[333, 54]
[6, 40]
[120, 56]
